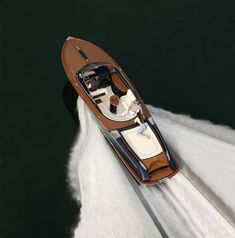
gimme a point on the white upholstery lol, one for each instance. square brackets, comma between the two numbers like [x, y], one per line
[121, 108]
[128, 98]
[104, 107]
[140, 144]
[99, 91]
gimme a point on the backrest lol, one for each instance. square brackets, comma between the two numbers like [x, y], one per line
[130, 97]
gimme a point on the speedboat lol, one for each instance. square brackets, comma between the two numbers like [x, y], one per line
[119, 111]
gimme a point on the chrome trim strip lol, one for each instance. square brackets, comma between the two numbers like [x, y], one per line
[168, 156]
[142, 165]
[115, 134]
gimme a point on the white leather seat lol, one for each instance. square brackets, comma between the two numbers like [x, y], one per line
[142, 146]
[128, 98]
[99, 91]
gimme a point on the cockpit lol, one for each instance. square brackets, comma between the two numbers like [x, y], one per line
[109, 90]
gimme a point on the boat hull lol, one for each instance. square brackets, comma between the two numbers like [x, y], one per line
[79, 58]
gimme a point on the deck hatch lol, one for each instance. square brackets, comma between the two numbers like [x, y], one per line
[83, 54]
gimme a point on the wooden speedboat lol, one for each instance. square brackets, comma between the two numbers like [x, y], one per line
[119, 111]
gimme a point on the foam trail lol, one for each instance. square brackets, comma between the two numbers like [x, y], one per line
[110, 206]
[183, 211]
[207, 153]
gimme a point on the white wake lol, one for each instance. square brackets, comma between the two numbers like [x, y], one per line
[111, 207]
[207, 154]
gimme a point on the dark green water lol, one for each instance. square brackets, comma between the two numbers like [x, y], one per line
[179, 54]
